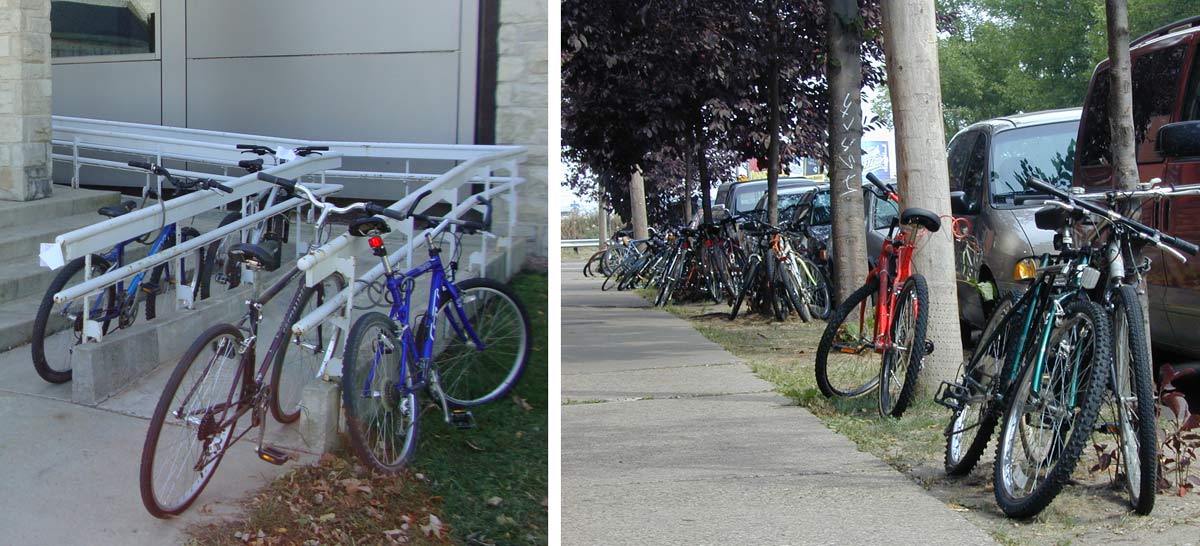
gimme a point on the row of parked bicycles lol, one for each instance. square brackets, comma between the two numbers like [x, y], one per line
[1064, 358]
[740, 260]
[466, 347]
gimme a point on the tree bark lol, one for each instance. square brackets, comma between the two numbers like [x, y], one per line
[773, 105]
[909, 33]
[687, 187]
[705, 185]
[1120, 117]
[637, 205]
[602, 217]
[848, 239]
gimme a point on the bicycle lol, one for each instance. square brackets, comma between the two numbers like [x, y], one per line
[892, 326]
[1045, 363]
[216, 382]
[118, 302]
[470, 348]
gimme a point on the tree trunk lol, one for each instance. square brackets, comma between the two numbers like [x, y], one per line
[1120, 116]
[773, 105]
[602, 217]
[848, 240]
[637, 205]
[687, 187]
[705, 198]
[909, 33]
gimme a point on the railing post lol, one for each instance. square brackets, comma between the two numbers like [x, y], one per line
[75, 163]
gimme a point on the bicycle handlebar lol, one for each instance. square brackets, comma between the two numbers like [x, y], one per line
[879, 184]
[185, 184]
[1153, 235]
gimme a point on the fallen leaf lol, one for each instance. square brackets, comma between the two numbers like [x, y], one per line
[473, 446]
[494, 501]
[326, 517]
[522, 403]
[318, 498]
[434, 527]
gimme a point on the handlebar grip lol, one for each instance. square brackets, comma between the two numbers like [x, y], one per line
[317, 148]
[219, 186]
[141, 165]
[282, 182]
[1185, 246]
[412, 208]
[372, 208]
[878, 183]
[249, 164]
[487, 215]
[1045, 188]
[247, 146]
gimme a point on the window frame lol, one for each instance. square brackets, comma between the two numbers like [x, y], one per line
[116, 57]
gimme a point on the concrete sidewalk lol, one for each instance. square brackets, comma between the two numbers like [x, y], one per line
[669, 439]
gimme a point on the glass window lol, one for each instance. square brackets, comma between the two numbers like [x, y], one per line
[1045, 152]
[885, 211]
[960, 152]
[84, 28]
[1155, 82]
[973, 175]
[746, 198]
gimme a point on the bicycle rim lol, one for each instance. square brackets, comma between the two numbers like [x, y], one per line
[381, 405]
[469, 373]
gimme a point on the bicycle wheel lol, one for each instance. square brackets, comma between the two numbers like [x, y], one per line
[295, 367]
[1130, 402]
[58, 327]
[846, 363]
[379, 395]
[216, 260]
[814, 284]
[670, 279]
[1044, 431]
[903, 360]
[747, 286]
[474, 370]
[793, 291]
[972, 424]
[193, 422]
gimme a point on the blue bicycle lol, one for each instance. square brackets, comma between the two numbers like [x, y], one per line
[59, 327]
[469, 348]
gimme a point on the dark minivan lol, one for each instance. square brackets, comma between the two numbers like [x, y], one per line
[1166, 116]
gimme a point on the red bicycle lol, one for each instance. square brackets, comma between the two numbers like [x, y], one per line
[886, 316]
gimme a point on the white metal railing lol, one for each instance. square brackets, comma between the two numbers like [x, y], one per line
[569, 243]
[97, 144]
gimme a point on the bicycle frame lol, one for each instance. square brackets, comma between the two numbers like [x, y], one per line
[895, 257]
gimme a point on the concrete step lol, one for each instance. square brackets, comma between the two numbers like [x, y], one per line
[16, 320]
[64, 202]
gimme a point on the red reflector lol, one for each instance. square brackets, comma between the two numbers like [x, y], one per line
[708, 243]
[375, 241]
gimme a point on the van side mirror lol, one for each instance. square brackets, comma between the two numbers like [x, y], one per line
[1179, 140]
[959, 205]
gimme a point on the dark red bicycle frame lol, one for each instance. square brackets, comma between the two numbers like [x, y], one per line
[897, 252]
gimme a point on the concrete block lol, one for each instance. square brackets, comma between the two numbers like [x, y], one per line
[320, 416]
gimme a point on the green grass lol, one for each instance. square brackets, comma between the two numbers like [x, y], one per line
[505, 457]
[578, 255]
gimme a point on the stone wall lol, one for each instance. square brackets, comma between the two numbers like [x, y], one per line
[24, 99]
[521, 98]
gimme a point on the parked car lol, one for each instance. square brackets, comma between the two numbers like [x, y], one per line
[878, 213]
[993, 207]
[1166, 116]
[740, 196]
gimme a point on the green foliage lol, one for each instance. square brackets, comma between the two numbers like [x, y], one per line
[1003, 57]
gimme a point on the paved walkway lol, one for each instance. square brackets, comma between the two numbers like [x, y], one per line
[69, 473]
[669, 439]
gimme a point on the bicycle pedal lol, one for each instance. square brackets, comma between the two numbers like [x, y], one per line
[1108, 428]
[952, 395]
[462, 419]
[272, 455]
[149, 287]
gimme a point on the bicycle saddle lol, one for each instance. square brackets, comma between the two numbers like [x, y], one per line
[113, 211]
[921, 217]
[254, 256]
[364, 226]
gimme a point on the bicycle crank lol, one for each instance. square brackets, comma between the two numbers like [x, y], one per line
[462, 419]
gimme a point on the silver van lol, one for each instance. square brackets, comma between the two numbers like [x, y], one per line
[993, 208]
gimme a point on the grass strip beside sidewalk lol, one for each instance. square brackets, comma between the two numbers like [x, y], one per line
[487, 485]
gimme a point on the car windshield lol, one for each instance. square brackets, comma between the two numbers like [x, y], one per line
[1045, 152]
[746, 197]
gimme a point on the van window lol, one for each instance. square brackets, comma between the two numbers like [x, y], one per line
[958, 157]
[973, 176]
[1155, 84]
[885, 211]
[1045, 152]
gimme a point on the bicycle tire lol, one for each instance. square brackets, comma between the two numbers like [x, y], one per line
[458, 361]
[211, 338]
[1141, 478]
[41, 322]
[791, 285]
[837, 388]
[747, 285]
[1043, 491]
[820, 302]
[364, 403]
[986, 378]
[287, 390]
[895, 403]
